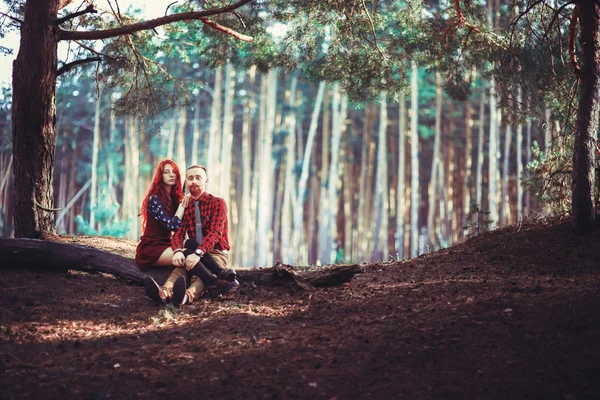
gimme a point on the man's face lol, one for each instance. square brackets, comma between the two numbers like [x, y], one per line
[195, 180]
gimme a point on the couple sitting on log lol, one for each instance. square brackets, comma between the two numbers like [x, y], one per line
[200, 261]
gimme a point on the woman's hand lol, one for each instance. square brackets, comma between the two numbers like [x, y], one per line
[187, 200]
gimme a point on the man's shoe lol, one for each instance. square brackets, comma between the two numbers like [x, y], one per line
[228, 275]
[180, 297]
[222, 287]
[153, 290]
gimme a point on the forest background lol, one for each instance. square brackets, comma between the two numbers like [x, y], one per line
[322, 156]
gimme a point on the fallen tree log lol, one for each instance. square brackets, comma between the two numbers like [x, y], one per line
[57, 256]
[46, 255]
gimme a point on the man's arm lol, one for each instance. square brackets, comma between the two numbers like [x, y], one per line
[217, 226]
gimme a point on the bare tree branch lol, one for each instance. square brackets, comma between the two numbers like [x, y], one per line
[572, 32]
[88, 10]
[45, 208]
[11, 17]
[67, 67]
[141, 26]
[227, 30]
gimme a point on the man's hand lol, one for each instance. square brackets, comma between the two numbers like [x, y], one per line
[178, 259]
[191, 261]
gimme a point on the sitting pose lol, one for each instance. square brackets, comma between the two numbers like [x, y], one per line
[161, 212]
[203, 258]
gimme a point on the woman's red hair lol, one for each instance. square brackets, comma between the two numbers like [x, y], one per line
[158, 188]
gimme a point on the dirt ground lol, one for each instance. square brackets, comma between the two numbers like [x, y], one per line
[512, 314]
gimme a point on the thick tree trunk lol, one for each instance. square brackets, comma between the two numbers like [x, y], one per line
[587, 120]
[34, 120]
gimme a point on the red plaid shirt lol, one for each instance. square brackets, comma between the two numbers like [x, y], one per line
[213, 212]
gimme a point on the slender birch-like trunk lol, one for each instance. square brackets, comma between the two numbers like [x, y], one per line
[468, 161]
[195, 135]
[265, 166]
[95, 146]
[547, 129]
[323, 247]
[505, 201]
[287, 250]
[242, 254]
[363, 199]
[181, 121]
[435, 160]
[480, 155]
[298, 241]
[493, 156]
[528, 126]
[214, 141]
[414, 162]
[401, 187]
[519, 156]
[380, 204]
[227, 137]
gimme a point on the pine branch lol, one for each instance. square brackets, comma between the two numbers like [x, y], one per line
[67, 67]
[89, 10]
[226, 30]
[150, 24]
[572, 33]
[11, 17]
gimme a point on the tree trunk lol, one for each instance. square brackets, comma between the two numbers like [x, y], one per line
[298, 237]
[34, 120]
[95, 146]
[224, 189]
[32, 253]
[266, 174]
[468, 161]
[435, 161]
[414, 162]
[380, 234]
[587, 120]
[401, 187]
[480, 155]
[243, 248]
[288, 251]
[493, 157]
[214, 141]
[505, 217]
[519, 144]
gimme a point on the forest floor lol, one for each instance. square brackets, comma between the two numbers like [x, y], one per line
[512, 314]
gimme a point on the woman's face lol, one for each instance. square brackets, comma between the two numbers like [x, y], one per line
[169, 175]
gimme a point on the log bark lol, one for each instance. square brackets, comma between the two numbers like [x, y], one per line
[45, 255]
[54, 256]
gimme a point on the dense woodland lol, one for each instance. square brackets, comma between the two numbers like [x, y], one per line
[324, 170]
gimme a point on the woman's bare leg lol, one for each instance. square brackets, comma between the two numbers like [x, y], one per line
[165, 258]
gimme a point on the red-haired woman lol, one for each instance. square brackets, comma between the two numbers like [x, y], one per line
[161, 214]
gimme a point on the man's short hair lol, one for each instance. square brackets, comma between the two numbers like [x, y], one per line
[197, 166]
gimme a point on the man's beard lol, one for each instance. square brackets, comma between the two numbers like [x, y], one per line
[195, 190]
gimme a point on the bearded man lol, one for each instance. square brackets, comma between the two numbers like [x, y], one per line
[203, 259]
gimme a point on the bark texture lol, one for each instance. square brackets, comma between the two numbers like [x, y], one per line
[34, 120]
[587, 120]
[54, 256]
